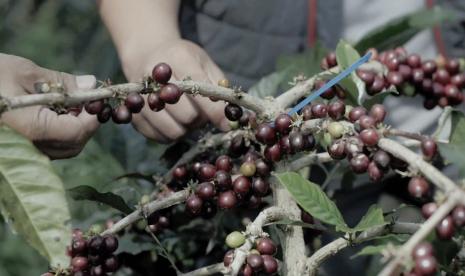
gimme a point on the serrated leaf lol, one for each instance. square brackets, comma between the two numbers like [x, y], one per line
[453, 151]
[84, 192]
[373, 217]
[312, 198]
[268, 86]
[32, 197]
[400, 30]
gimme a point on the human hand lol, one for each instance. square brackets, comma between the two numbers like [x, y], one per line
[58, 136]
[186, 60]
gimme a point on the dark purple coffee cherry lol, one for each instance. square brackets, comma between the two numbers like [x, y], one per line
[438, 90]
[78, 247]
[367, 77]
[170, 93]
[255, 261]
[310, 142]
[337, 150]
[377, 86]
[180, 173]
[307, 112]
[428, 209]
[283, 123]
[328, 93]
[266, 246]
[161, 73]
[395, 78]
[253, 202]
[423, 249]
[205, 190]
[260, 187]
[378, 112]
[359, 163]
[110, 244]
[458, 80]
[285, 144]
[430, 103]
[134, 102]
[94, 107]
[374, 172]
[223, 180]
[270, 265]
[79, 264]
[336, 110]
[246, 270]
[418, 76]
[227, 200]
[207, 172]
[429, 147]
[163, 222]
[458, 215]
[208, 210]
[224, 163]
[273, 153]
[233, 112]
[418, 187]
[97, 271]
[443, 102]
[242, 186]
[265, 134]
[319, 110]
[194, 205]
[452, 66]
[105, 114]
[356, 113]
[429, 67]
[155, 102]
[111, 264]
[369, 137]
[406, 72]
[425, 266]
[228, 257]
[96, 245]
[263, 169]
[121, 115]
[445, 229]
[441, 76]
[366, 121]
[382, 159]
[331, 59]
[296, 141]
[453, 94]
[251, 156]
[414, 60]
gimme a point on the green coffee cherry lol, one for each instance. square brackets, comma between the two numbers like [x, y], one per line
[336, 130]
[96, 229]
[248, 169]
[235, 239]
[144, 199]
[234, 124]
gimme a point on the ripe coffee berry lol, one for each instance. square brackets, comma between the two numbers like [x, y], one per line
[359, 163]
[366, 121]
[270, 265]
[134, 102]
[95, 245]
[161, 73]
[121, 115]
[223, 180]
[266, 246]
[458, 215]
[255, 261]
[79, 264]
[458, 80]
[356, 113]
[429, 67]
[97, 271]
[207, 172]
[105, 114]
[395, 78]
[246, 270]
[378, 112]
[336, 130]
[382, 159]
[422, 249]
[319, 110]
[353, 146]
[180, 173]
[414, 60]
[336, 110]
[283, 123]
[307, 112]
[429, 147]
[194, 204]
[227, 200]
[111, 264]
[445, 229]
[374, 172]
[154, 102]
[328, 93]
[285, 144]
[235, 239]
[309, 142]
[233, 112]
[367, 77]
[260, 187]
[337, 150]
[263, 169]
[369, 137]
[224, 163]
[441, 76]
[205, 190]
[393, 64]
[78, 246]
[428, 209]
[296, 141]
[242, 186]
[265, 134]
[273, 153]
[94, 107]
[418, 76]
[170, 93]
[418, 187]
[331, 59]
[228, 258]
[425, 266]
[377, 86]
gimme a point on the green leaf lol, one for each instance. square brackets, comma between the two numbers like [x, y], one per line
[298, 223]
[355, 87]
[370, 250]
[400, 30]
[346, 54]
[373, 217]
[453, 151]
[312, 199]
[134, 244]
[32, 197]
[378, 98]
[88, 193]
[268, 85]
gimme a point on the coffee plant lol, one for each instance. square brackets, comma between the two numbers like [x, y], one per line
[261, 168]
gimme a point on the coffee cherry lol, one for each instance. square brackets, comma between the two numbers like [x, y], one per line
[227, 200]
[205, 190]
[255, 261]
[353, 146]
[458, 215]
[429, 67]
[307, 112]
[336, 130]
[248, 169]
[378, 112]
[94, 107]
[233, 112]
[265, 134]
[155, 102]
[430, 103]
[250, 156]
[328, 93]
[375, 173]
[111, 264]
[425, 266]
[331, 59]
[78, 246]
[356, 113]
[458, 80]
[242, 186]
[105, 114]
[377, 86]
[164, 222]
[228, 257]
[428, 209]
[224, 163]
[441, 76]
[423, 249]
[223, 180]
[96, 245]
[359, 163]
[296, 141]
[418, 76]
[445, 229]
[285, 144]
[263, 169]
[309, 142]
[246, 270]
[394, 78]
[194, 204]
[414, 60]
[337, 150]
[266, 246]
[336, 110]
[260, 187]
[270, 265]
[366, 122]
[97, 271]
[253, 202]
[79, 264]
[161, 73]
[77, 233]
[207, 172]
[438, 90]
[283, 123]
[418, 187]
[110, 244]
[273, 153]
[134, 102]
[367, 77]
[180, 173]
[121, 115]
[170, 93]
[406, 72]
[393, 64]
[319, 110]
[382, 159]
[235, 239]
[369, 137]
[429, 147]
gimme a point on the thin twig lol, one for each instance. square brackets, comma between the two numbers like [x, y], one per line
[165, 252]
[402, 133]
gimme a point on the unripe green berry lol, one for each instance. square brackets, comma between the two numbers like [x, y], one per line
[234, 124]
[254, 251]
[235, 239]
[327, 140]
[248, 169]
[141, 224]
[348, 109]
[336, 130]
[144, 199]
[96, 229]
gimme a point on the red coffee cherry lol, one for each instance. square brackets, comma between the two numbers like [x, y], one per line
[374, 172]
[367, 77]
[418, 76]
[393, 64]
[429, 67]
[285, 144]
[207, 172]
[458, 80]
[356, 113]
[328, 93]
[105, 114]
[458, 215]
[194, 204]
[425, 266]
[79, 264]
[111, 264]
[94, 107]
[377, 86]
[414, 60]
[233, 112]
[337, 150]
[445, 229]
[441, 76]
[366, 121]
[307, 112]
[296, 141]
[223, 180]
[283, 123]
[452, 66]
[428, 209]
[246, 270]
[134, 102]
[227, 200]
[429, 147]
[161, 73]
[110, 244]
[395, 78]
[260, 187]
[336, 110]
[255, 261]
[273, 153]
[423, 249]
[331, 59]
[170, 93]
[265, 134]
[266, 246]
[263, 169]
[228, 257]
[154, 102]
[369, 137]
[78, 246]
[205, 190]
[378, 112]
[382, 159]
[270, 265]
[180, 173]
[359, 163]
[224, 163]
[418, 187]
[319, 110]
[121, 115]
[242, 186]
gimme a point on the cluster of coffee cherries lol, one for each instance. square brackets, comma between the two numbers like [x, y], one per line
[160, 220]
[93, 256]
[425, 261]
[260, 260]
[446, 229]
[132, 103]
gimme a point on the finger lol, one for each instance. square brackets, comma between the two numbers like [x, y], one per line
[142, 125]
[184, 111]
[163, 123]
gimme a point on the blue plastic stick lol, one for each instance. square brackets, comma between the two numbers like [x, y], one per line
[330, 83]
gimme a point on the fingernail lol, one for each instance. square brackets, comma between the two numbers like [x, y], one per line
[86, 81]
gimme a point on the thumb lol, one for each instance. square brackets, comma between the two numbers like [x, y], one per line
[70, 82]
